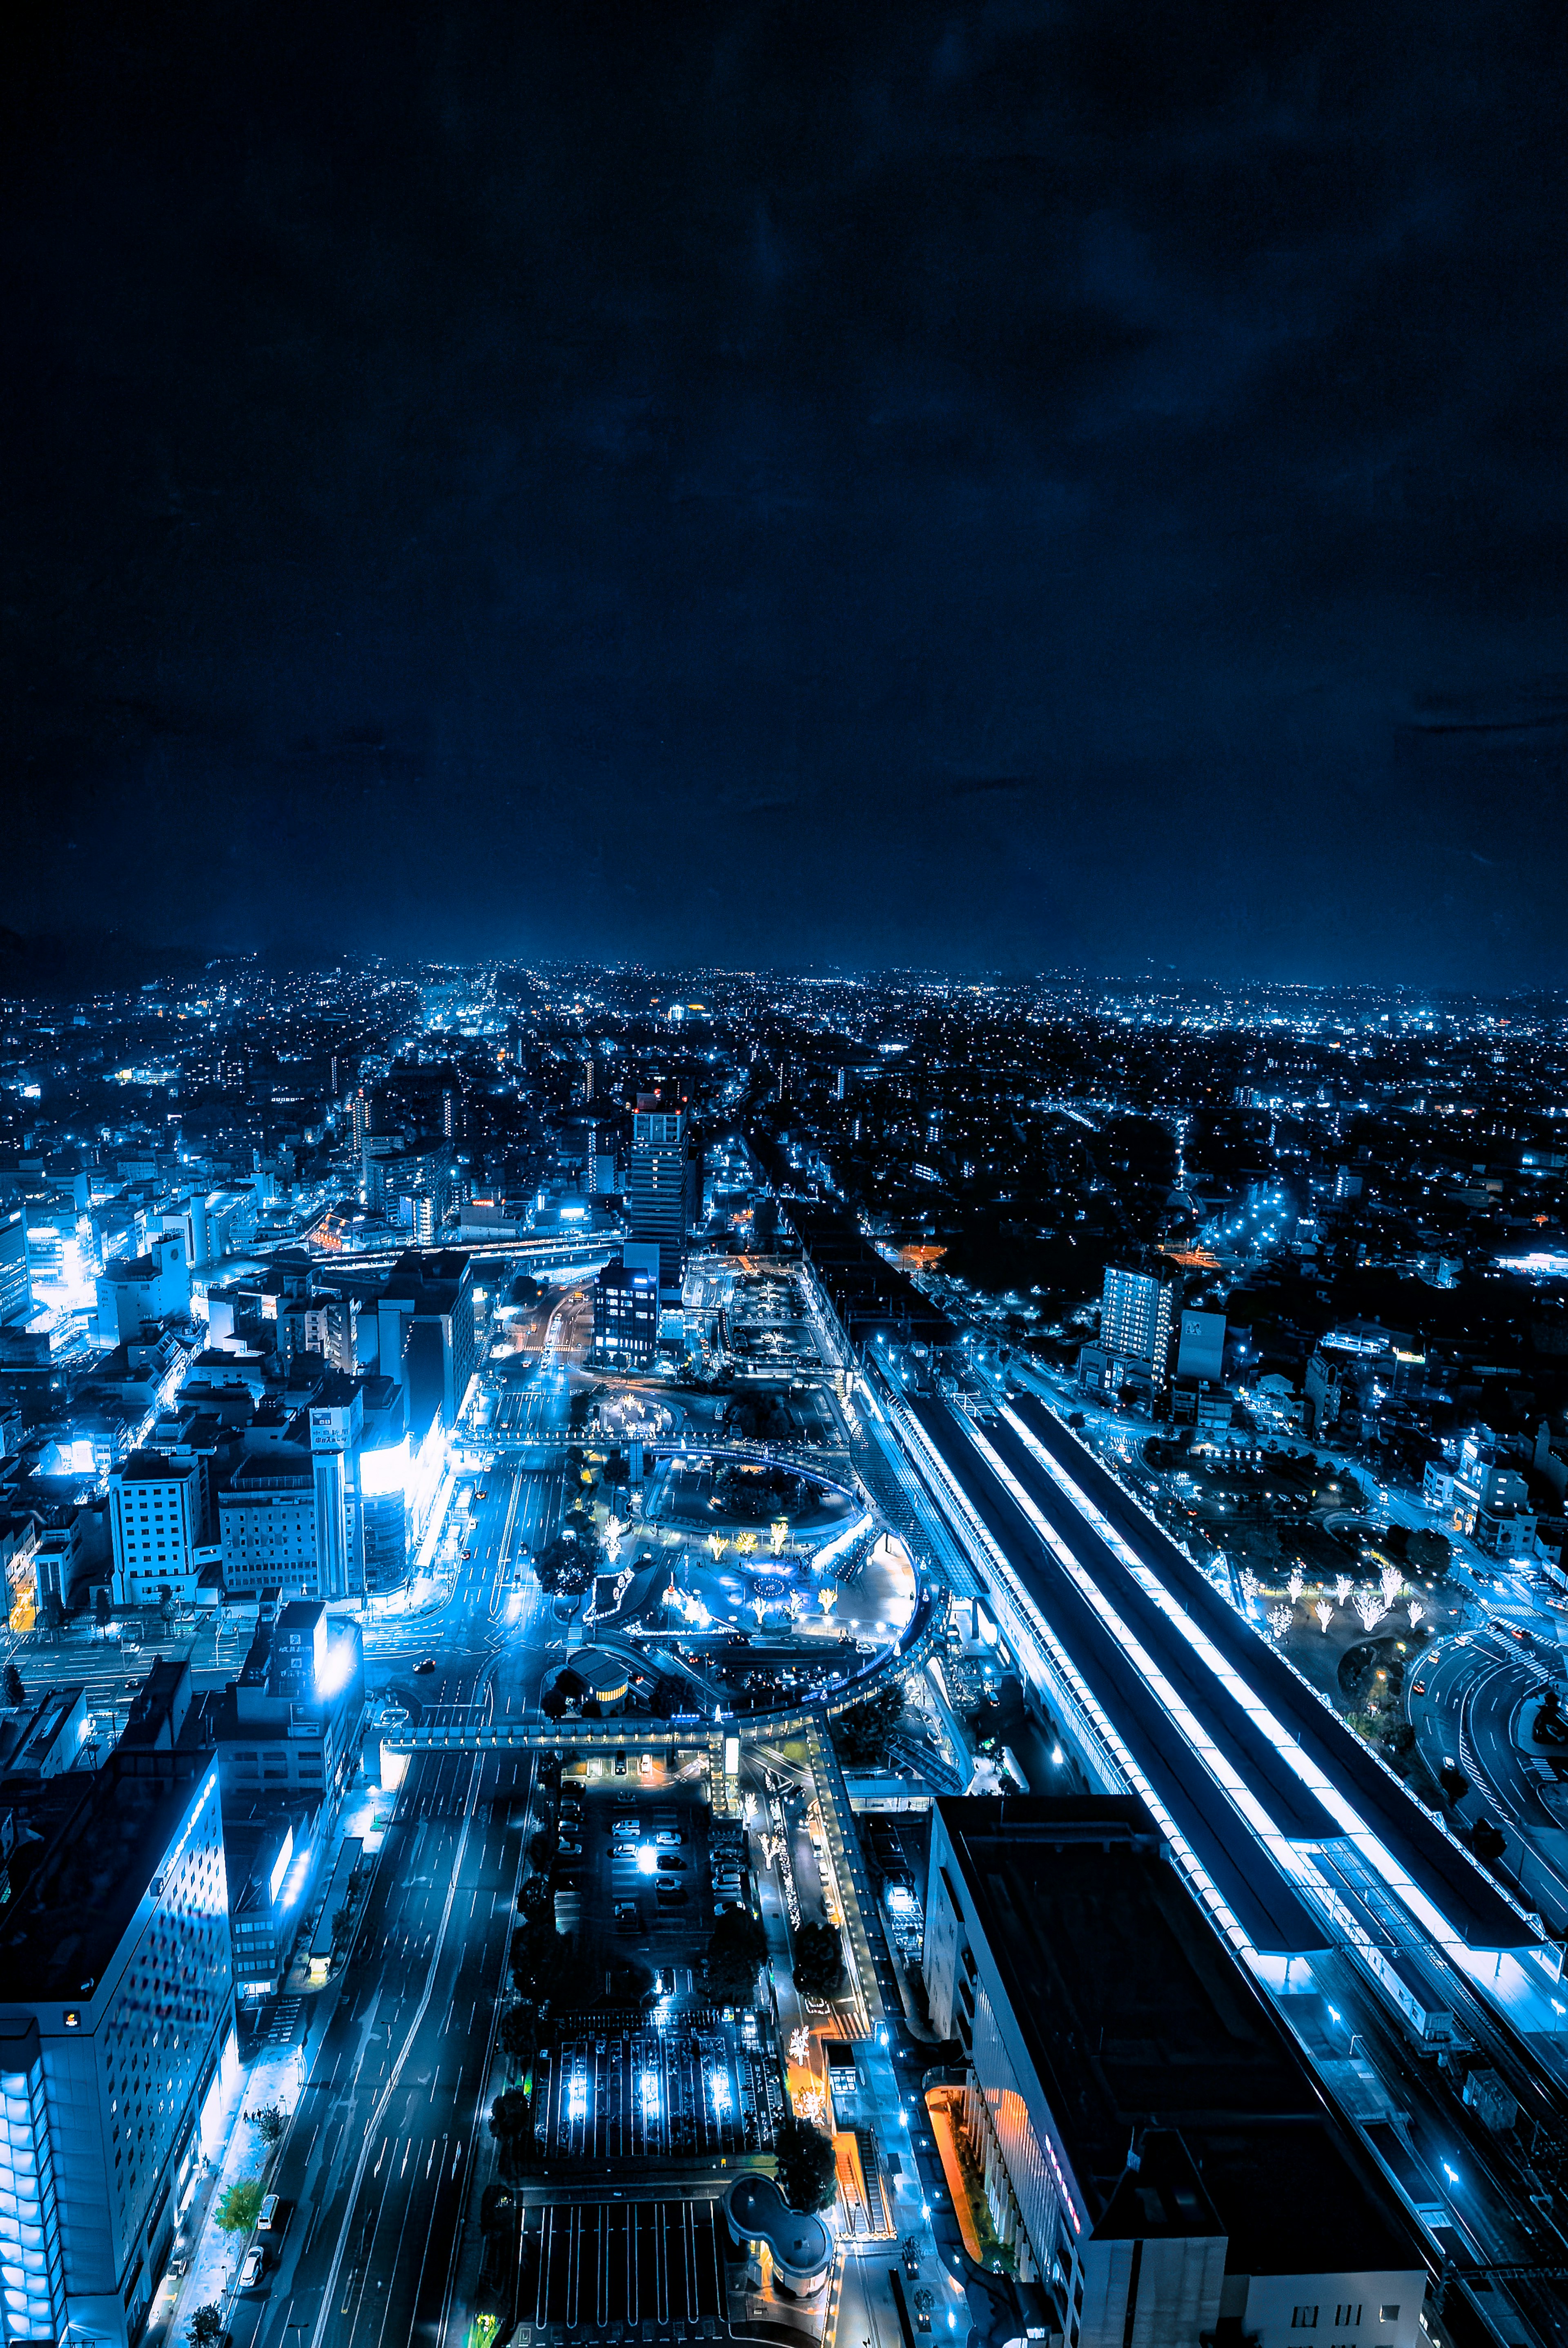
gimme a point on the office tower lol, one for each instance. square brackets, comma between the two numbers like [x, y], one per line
[427, 1340]
[1135, 1316]
[15, 1274]
[448, 1114]
[337, 1429]
[359, 1121]
[267, 1523]
[661, 1184]
[116, 2032]
[625, 1317]
[156, 1508]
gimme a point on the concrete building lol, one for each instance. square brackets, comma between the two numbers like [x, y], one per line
[427, 1334]
[16, 1271]
[116, 2041]
[1201, 1347]
[338, 1431]
[156, 1511]
[140, 1288]
[625, 1317]
[267, 1523]
[1133, 1348]
[289, 1723]
[662, 1184]
[1150, 2148]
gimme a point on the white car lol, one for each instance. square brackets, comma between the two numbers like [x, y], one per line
[251, 2272]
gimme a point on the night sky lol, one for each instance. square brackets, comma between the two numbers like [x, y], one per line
[999, 487]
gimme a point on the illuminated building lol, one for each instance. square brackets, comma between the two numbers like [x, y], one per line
[1150, 2148]
[151, 1287]
[156, 1510]
[267, 1523]
[625, 1317]
[1133, 1346]
[116, 2038]
[662, 1184]
[425, 1333]
[15, 1277]
[337, 1426]
[290, 1722]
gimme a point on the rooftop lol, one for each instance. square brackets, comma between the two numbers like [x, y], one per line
[1137, 2021]
[104, 1837]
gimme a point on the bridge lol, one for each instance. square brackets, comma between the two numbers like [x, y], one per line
[927, 1626]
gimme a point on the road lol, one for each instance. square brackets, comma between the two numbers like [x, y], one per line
[376, 2164]
[1465, 1703]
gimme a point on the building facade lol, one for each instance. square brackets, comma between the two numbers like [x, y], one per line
[660, 1185]
[1131, 2106]
[116, 2041]
[156, 1510]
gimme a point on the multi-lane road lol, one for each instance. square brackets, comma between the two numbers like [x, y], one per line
[376, 2171]
[1467, 1705]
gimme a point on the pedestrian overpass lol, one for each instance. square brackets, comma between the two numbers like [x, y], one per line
[720, 1739]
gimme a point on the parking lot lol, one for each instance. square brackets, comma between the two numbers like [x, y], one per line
[649, 2087]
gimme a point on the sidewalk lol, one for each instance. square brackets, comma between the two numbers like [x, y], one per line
[274, 2076]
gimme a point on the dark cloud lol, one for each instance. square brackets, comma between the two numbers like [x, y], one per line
[994, 484]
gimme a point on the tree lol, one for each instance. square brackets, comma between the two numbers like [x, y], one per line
[511, 2122]
[738, 1946]
[541, 1959]
[1428, 1552]
[818, 1959]
[1453, 1781]
[165, 1602]
[54, 1613]
[517, 2033]
[808, 2176]
[241, 2206]
[15, 1694]
[206, 2325]
[1487, 1841]
[864, 1734]
[535, 1896]
[103, 1612]
[542, 1847]
[269, 2123]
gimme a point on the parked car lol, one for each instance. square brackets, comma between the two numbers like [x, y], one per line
[669, 1839]
[251, 2272]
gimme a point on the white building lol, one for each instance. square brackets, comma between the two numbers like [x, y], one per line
[116, 2041]
[146, 1288]
[155, 1523]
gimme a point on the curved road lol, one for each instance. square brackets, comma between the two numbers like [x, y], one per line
[1464, 1700]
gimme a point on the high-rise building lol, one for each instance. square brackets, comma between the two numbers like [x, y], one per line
[15, 1272]
[116, 2037]
[267, 1523]
[157, 1505]
[425, 1336]
[337, 1429]
[661, 1182]
[625, 1317]
[1136, 1311]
